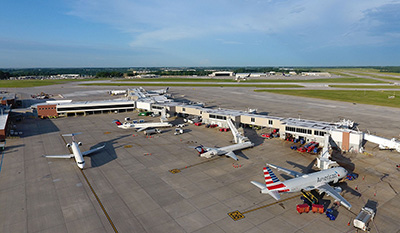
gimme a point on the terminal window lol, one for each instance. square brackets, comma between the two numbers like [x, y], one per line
[218, 117]
[253, 119]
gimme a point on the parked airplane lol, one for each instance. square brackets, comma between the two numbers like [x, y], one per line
[76, 152]
[157, 92]
[117, 92]
[303, 182]
[141, 126]
[241, 143]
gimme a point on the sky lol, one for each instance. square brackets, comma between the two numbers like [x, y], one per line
[188, 33]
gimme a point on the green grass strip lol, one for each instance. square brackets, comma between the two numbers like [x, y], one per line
[37, 83]
[196, 85]
[366, 86]
[381, 76]
[29, 83]
[380, 98]
[349, 79]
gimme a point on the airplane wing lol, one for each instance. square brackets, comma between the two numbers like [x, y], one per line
[288, 171]
[333, 193]
[232, 155]
[141, 129]
[59, 156]
[93, 150]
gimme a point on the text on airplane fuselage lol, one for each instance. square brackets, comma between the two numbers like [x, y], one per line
[327, 178]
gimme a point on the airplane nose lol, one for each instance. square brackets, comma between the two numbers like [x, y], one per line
[81, 166]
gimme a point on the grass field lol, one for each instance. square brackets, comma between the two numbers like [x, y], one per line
[29, 83]
[380, 98]
[348, 79]
[166, 84]
[37, 83]
[366, 86]
[381, 75]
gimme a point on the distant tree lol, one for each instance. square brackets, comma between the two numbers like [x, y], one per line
[4, 75]
[109, 74]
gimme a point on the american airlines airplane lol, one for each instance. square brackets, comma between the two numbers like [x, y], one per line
[76, 152]
[141, 126]
[306, 182]
[241, 143]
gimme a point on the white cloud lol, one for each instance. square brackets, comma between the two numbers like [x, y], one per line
[151, 22]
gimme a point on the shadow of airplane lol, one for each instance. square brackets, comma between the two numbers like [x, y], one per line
[100, 158]
[304, 169]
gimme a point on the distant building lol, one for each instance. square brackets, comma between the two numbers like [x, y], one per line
[221, 73]
[64, 108]
[7, 98]
[320, 74]
[4, 122]
[70, 76]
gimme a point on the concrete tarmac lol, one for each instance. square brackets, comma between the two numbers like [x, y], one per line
[132, 180]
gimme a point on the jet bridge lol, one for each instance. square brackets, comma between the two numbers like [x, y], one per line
[384, 143]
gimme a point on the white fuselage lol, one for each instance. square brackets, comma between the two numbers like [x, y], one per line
[226, 149]
[144, 125]
[78, 155]
[311, 181]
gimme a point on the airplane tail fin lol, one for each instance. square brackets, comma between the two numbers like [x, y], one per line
[264, 190]
[117, 122]
[200, 149]
[271, 181]
[70, 134]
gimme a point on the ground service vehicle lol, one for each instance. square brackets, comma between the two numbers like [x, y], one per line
[151, 131]
[317, 208]
[145, 113]
[361, 221]
[303, 208]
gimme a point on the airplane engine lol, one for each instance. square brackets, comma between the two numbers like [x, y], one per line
[338, 189]
[68, 145]
[335, 180]
[309, 188]
[213, 152]
[79, 143]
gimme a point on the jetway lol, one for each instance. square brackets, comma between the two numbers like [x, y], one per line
[383, 143]
[324, 159]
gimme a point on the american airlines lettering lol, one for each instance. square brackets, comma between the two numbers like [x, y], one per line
[326, 178]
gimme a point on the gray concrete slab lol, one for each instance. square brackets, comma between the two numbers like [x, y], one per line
[139, 193]
[193, 221]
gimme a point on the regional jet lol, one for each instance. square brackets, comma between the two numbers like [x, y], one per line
[142, 126]
[241, 143]
[303, 182]
[76, 152]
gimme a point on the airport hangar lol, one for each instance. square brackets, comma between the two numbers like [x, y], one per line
[344, 137]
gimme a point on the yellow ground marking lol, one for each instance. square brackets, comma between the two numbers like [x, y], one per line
[237, 215]
[100, 203]
[95, 195]
[177, 170]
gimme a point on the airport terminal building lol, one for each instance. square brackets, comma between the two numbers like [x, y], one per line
[55, 109]
[344, 137]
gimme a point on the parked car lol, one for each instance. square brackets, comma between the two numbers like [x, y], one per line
[145, 113]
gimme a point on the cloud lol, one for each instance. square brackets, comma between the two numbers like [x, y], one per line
[322, 23]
